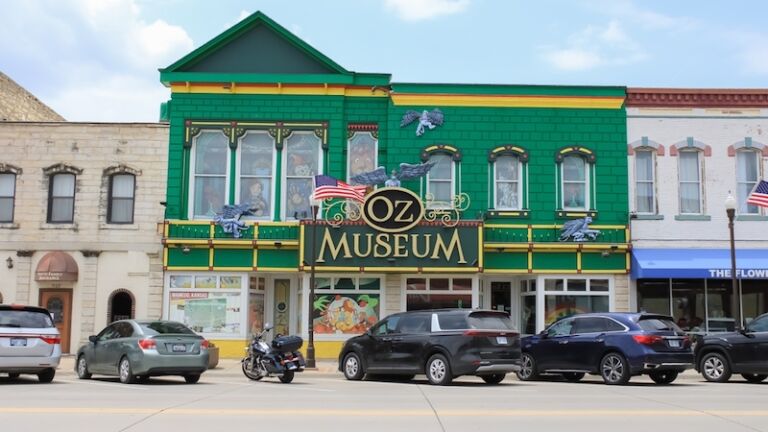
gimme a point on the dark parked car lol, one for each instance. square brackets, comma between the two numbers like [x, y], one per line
[745, 352]
[136, 350]
[615, 346]
[443, 344]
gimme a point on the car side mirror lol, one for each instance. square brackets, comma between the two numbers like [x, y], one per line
[93, 338]
[746, 332]
[543, 334]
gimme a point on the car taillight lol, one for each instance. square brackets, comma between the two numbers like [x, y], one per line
[647, 339]
[51, 340]
[204, 344]
[147, 344]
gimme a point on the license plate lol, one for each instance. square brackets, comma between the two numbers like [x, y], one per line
[674, 343]
[501, 340]
[18, 342]
[179, 348]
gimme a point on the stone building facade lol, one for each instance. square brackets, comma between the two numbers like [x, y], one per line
[80, 205]
[17, 104]
[688, 150]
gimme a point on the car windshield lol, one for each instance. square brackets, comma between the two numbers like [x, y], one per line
[490, 321]
[165, 327]
[25, 319]
[658, 324]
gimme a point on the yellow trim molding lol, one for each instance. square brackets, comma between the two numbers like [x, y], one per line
[507, 101]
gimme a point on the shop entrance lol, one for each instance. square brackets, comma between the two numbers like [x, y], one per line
[273, 299]
[59, 304]
[501, 296]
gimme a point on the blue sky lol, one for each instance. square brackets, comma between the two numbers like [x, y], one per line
[97, 60]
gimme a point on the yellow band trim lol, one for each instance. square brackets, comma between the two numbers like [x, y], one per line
[278, 88]
[508, 101]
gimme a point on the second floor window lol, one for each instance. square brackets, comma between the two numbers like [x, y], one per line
[747, 174]
[7, 196]
[121, 198]
[645, 191]
[508, 184]
[61, 198]
[210, 163]
[575, 178]
[690, 182]
[301, 162]
[440, 180]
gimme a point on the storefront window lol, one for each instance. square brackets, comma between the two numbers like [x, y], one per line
[721, 307]
[208, 304]
[688, 302]
[436, 293]
[346, 306]
[528, 314]
[653, 296]
[256, 304]
[755, 301]
[559, 306]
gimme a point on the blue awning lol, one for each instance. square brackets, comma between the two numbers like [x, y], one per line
[698, 263]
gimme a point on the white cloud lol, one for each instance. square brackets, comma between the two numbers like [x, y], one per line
[91, 60]
[419, 10]
[649, 19]
[594, 47]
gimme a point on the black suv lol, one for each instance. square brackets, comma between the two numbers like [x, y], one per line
[745, 352]
[443, 344]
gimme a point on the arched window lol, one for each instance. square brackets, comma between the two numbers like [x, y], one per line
[210, 158]
[121, 306]
[443, 178]
[576, 178]
[508, 175]
[122, 189]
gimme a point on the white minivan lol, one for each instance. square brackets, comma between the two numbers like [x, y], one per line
[29, 342]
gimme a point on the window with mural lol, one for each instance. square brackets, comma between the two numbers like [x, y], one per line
[208, 304]
[362, 150]
[210, 156]
[301, 162]
[256, 154]
[435, 293]
[565, 297]
[508, 186]
[346, 305]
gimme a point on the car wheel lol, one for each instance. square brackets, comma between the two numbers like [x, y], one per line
[438, 370]
[125, 371]
[528, 371]
[192, 379]
[663, 377]
[573, 376]
[47, 375]
[755, 378]
[494, 379]
[353, 367]
[82, 368]
[286, 377]
[715, 367]
[614, 369]
[13, 375]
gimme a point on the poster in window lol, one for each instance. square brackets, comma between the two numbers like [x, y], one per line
[181, 282]
[205, 312]
[231, 282]
[344, 313]
[205, 281]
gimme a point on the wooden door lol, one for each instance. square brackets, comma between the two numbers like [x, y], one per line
[59, 303]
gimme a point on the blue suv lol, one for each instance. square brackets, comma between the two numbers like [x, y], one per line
[615, 346]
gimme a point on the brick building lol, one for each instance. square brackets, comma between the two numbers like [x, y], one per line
[17, 104]
[80, 207]
[256, 113]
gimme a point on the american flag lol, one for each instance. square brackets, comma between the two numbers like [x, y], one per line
[329, 187]
[759, 195]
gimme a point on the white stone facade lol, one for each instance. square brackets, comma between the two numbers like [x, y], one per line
[110, 257]
[717, 134]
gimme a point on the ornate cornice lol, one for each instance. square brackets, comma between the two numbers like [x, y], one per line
[697, 98]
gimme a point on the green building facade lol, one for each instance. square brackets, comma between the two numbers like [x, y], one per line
[256, 113]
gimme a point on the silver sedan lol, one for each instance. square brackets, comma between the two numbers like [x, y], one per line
[135, 350]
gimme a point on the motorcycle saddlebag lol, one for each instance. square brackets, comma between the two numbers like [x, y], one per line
[287, 343]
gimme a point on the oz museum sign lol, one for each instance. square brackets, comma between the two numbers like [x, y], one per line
[391, 231]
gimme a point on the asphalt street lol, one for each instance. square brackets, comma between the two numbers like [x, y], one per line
[323, 400]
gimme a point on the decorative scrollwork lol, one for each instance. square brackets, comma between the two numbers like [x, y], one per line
[447, 212]
[342, 210]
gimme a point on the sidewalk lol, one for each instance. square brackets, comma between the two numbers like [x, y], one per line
[224, 368]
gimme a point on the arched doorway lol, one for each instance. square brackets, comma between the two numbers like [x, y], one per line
[121, 306]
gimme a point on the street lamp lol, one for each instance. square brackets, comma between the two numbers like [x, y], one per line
[314, 207]
[730, 209]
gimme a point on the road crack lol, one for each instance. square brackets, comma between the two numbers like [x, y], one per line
[432, 407]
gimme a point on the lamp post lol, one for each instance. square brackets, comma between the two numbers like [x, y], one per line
[314, 207]
[730, 210]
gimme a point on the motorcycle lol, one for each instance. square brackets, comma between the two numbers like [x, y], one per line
[281, 359]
